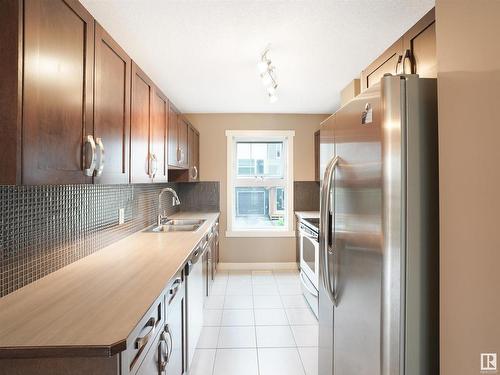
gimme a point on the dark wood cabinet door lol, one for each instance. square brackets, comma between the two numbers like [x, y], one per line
[388, 62]
[11, 26]
[420, 42]
[140, 126]
[316, 155]
[112, 107]
[182, 140]
[191, 161]
[414, 52]
[173, 150]
[158, 146]
[193, 153]
[196, 155]
[58, 93]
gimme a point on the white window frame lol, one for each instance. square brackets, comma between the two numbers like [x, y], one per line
[234, 136]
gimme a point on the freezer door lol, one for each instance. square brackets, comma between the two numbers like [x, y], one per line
[325, 306]
[410, 282]
[356, 276]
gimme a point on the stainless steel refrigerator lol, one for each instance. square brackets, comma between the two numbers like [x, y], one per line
[379, 239]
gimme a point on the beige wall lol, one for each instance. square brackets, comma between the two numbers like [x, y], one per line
[212, 129]
[469, 130]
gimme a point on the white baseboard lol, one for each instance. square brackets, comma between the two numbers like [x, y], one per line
[258, 266]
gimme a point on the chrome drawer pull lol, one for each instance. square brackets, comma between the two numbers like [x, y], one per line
[163, 356]
[175, 287]
[140, 342]
[170, 342]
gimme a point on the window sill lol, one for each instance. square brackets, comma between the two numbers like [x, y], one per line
[260, 233]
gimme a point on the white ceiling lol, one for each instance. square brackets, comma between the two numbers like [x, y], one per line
[203, 53]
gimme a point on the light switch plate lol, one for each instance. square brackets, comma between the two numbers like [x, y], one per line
[121, 216]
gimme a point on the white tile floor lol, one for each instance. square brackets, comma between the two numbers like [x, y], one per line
[257, 323]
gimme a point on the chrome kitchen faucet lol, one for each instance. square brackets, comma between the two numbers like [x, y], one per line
[176, 202]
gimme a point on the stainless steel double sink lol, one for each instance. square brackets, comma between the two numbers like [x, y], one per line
[177, 225]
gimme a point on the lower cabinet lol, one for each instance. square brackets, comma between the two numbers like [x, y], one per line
[166, 355]
[155, 360]
[142, 339]
[164, 340]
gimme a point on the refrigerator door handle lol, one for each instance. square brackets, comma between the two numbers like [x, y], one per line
[327, 218]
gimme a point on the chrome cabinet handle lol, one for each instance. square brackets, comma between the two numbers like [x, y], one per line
[89, 139]
[170, 342]
[180, 154]
[400, 59]
[407, 57]
[163, 356]
[325, 227]
[175, 287]
[153, 165]
[140, 342]
[100, 165]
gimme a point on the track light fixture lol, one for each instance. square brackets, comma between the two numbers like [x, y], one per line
[267, 73]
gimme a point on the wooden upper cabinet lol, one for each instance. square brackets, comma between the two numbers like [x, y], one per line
[316, 155]
[414, 52]
[178, 153]
[182, 140]
[196, 155]
[141, 162]
[420, 42]
[112, 108]
[173, 131]
[58, 92]
[326, 143]
[193, 153]
[11, 89]
[388, 62]
[74, 108]
[158, 138]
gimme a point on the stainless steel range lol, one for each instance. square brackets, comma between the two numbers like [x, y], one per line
[309, 260]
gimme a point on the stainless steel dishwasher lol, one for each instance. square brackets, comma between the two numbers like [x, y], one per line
[195, 285]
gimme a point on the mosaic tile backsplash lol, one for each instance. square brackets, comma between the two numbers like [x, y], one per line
[44, 228]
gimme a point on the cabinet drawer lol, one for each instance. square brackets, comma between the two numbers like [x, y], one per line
[153, 362]
[142, 337]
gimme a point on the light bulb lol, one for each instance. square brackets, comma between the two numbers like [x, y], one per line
[262, 66]
[266, 79]
[271, 90]
[273, 98]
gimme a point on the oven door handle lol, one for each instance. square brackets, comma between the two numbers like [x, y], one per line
[304, 283]
[305, 234]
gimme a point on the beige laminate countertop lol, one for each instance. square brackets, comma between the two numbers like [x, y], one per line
[89, 307]
[306, 214]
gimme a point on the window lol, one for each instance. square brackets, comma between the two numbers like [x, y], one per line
[260, 183]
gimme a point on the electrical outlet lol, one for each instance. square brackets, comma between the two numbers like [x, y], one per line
[121, 216]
